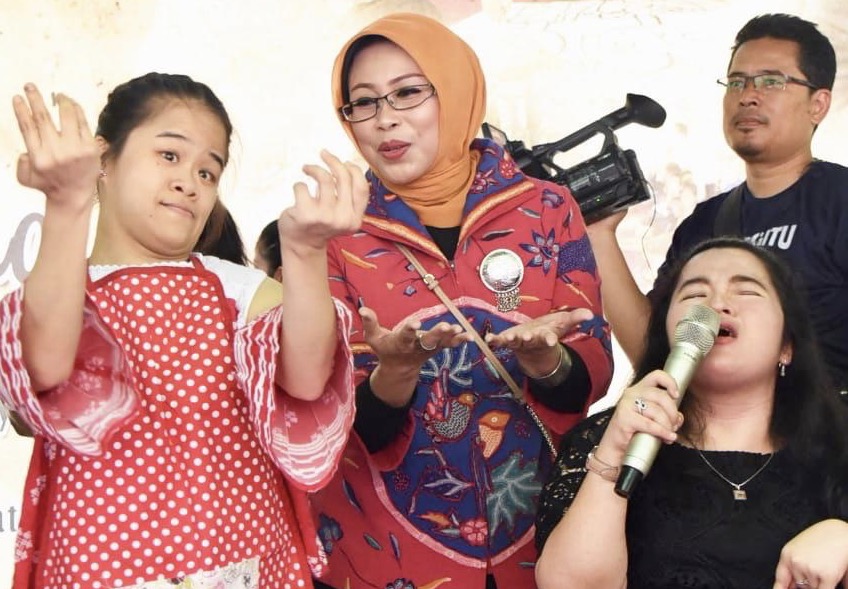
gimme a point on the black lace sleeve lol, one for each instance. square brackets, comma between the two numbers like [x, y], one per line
[568, 473]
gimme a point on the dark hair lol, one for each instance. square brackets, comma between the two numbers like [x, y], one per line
[355, 48]
[221, 238]
[132, 102]
[807, 415]
[268, 245]
[816, 56]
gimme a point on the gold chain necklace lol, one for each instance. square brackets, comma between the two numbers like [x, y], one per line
[739, 493]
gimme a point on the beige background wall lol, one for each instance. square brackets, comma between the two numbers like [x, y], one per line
[552, 68]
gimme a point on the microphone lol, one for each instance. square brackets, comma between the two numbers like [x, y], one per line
[694, 336]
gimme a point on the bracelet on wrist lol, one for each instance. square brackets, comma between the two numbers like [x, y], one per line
[606, 471]
[559, 373]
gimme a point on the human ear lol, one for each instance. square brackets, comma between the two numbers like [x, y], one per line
[819, 105]
[103, 149]
[786, 354]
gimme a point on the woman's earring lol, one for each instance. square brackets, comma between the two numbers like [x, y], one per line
[102, 173]
[782, 366]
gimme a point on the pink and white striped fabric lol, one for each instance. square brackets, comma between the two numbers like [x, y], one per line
[170, 454]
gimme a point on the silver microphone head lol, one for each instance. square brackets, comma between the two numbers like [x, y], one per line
[698, 328]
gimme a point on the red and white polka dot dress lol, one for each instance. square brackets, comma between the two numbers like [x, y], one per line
[183, 491]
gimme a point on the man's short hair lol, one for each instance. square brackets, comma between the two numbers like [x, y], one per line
[816, 56]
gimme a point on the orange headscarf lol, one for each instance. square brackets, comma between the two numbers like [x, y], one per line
[452, 67]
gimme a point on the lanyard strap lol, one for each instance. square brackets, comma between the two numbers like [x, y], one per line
[517, 391]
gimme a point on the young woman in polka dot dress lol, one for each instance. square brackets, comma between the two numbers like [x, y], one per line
[180, 415]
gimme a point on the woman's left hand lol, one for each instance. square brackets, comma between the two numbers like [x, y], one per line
[336, 208]
[535, 342]
[817, 558]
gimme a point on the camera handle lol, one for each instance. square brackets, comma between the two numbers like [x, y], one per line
[606, 183]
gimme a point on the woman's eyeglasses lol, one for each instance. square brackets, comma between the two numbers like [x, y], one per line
[404, 98]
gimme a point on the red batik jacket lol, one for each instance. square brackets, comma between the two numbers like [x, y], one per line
[453, 497]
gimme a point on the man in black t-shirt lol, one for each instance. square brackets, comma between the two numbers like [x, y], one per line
[779, 83]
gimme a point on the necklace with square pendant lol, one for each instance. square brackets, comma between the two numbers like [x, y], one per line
[739, 494]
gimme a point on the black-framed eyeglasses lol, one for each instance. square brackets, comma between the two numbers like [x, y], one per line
[773, 81]
[404, 98]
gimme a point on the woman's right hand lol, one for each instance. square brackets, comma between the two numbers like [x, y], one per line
[402, 352]
[407, 346]
[648, 406]
[62, 162]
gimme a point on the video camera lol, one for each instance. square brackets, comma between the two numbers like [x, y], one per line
[610, 181]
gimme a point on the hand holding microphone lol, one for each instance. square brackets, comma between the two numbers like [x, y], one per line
[693, 338]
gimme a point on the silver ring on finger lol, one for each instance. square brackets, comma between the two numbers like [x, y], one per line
[802, 583]
[640, 404]
[420, 337]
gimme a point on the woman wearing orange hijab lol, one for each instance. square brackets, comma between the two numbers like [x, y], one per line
[438, 488]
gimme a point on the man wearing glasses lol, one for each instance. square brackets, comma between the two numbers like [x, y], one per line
[778, 90]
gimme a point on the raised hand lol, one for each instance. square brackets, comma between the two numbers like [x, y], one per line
[402, 351]
[606, 225]
[407, 345]
[62, 162]
[336, 207]
[534, 342]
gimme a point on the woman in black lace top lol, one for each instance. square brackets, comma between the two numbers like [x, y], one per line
[751, 488]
